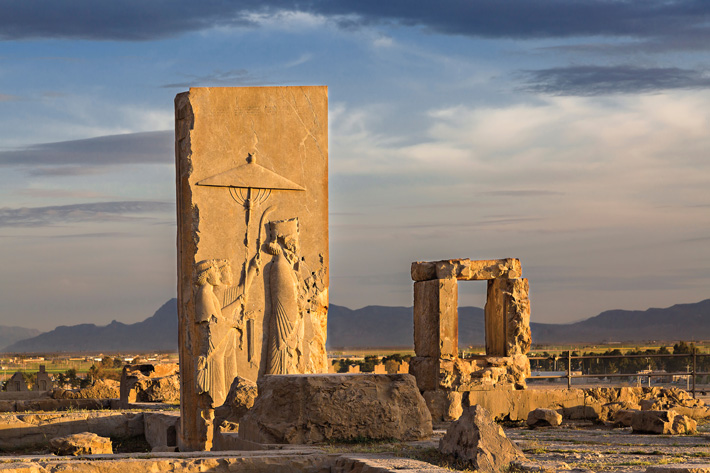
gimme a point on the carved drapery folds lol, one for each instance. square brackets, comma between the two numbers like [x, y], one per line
[286, 320]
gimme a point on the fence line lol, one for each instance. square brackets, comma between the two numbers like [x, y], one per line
[569, 357]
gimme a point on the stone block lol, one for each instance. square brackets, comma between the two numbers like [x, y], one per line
[443, 405]
[541, 417]
[475, 438]
[160, 429]
[150, 383]
[426, 372]
[466, 269]
[662, 422]
[240, 399]
[252, 205]
[84, 443]
[436, 318]
[7, 406]
[308, 409]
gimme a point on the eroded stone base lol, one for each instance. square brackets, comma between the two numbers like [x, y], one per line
[308, 409]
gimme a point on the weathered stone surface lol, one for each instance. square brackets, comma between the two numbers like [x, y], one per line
[160, 429]
[306, 409]
[436, 331]
[7, 406]
[507, 313]
[436, 364]
[61, 404]
[240, 399]
[484, 372]
[624, 417]
[150, 383]
[379, 463]
[100, 389]
[302, 460]
[662, 422]
[426, 372]
[679, 468]
[84, 443]
[443, 405]
[466, 269]
[515, 405]
[684, 425]
[24, 430]
[252, 241]
[541, 417]
[477, 439]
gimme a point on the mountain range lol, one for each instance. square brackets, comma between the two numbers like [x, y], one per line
[156, 333]
[372, 327]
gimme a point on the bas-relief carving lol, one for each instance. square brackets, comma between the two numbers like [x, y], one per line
[272, 317]
[285, 321]
[291, 300]
[217, 361]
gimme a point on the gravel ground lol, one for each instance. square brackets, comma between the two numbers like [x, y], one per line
[589, 447]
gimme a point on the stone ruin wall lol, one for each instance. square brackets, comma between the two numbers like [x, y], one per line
[442, 376]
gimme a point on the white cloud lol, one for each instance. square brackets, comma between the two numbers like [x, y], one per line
[287, 20]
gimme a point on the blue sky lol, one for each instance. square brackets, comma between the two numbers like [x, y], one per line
[570, 134]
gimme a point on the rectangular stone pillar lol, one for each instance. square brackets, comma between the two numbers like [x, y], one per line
[252, 207]
[495, 318]
[517, 317]
[507, 315]
[436, 321]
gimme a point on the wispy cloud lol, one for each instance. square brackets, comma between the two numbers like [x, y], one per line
[9, 98]
[91, 212]
[65, 157]
[603, 80]
[59, 194]
[235, 77]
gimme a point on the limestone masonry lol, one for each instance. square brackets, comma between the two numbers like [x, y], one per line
[441, 374]
[252, 207]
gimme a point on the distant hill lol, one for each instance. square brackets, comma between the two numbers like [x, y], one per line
[393, 326]
[380, 326]
[10, 335]
[679, 322]
[156, 333]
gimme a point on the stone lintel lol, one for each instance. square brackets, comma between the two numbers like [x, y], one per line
[466, 270]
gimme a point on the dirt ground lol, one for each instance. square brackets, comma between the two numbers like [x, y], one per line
[589, 447]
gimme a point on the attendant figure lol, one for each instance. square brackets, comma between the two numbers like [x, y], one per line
[217, 361]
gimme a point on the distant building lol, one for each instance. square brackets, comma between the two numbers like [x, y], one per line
[17, 383]
[44, 382]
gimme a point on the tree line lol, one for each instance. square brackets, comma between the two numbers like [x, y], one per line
[626, 365]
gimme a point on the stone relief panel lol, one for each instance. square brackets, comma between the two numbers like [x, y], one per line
[252, 187]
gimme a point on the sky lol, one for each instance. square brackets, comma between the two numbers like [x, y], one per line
[574, 135]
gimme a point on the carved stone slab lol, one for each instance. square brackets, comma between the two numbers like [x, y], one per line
[252, 206]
